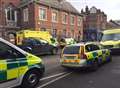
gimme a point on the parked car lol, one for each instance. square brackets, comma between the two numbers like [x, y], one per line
[66, 41]
[17, 67]
[38, 46]
[84, 55]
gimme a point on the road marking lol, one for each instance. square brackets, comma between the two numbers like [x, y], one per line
[50, 82]
[52, 76]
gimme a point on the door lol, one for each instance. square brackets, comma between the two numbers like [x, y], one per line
[8, 65]
[45, 46]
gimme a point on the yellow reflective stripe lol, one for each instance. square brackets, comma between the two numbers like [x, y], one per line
[31, 59]
[3, 65]
[22, 70]
[12, 73]
[99, 52]
[89, 55]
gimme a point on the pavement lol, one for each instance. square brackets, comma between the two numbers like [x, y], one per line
[107, 76]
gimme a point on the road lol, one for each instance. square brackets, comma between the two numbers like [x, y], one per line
[107, 76]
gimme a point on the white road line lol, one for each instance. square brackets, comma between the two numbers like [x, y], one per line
[52, 76]
[58, 78]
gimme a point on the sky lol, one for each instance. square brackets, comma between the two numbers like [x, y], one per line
[109, 7]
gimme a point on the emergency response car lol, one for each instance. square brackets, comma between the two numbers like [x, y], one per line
[84, 55]
[18, 67]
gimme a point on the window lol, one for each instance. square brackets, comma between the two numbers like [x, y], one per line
[11, 14]
[64, 18]
[25, 15]
[43, 13]
[43, 29]
[72, 20]
[54, 16]
[91, 47]
[71, 50]
[79, 21]
[7, 52]
[54, 32]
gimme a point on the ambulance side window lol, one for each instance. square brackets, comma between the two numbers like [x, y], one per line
[92, 47]
[88, 48]
[95, 47]
[7, 52]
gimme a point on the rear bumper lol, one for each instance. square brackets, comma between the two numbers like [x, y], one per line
[82, 64]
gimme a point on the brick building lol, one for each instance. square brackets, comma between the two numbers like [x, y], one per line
[58, 17]
[95, 21]
[8, 17]
[112, 24]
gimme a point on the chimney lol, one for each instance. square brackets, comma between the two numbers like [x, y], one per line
[86, 9]
[60, 1]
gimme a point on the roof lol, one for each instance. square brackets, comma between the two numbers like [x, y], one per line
[84, 43]
[111, 31]
[63, 5]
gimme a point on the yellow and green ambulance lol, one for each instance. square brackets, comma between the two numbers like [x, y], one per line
[111, 40]
[18, 67]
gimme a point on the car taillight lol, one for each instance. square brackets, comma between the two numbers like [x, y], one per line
[83, 56]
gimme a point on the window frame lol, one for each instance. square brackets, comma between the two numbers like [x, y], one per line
[41, 17]
[63, 16]
[72, 16]
[53, 20]
[91, 45]
[79, 20]
[25, 14]
[12, 14]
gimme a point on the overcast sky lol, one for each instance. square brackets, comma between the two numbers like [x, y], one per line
[110, 7]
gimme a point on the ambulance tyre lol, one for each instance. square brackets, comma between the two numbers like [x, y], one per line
[31, 79]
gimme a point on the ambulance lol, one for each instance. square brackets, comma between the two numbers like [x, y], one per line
[18, 68]
[44, 35]
[111, 40]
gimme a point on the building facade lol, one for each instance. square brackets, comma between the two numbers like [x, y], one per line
[58, 17]
[8, 18]
[94, 22]
[113, 24]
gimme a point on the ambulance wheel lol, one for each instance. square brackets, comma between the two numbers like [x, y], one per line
[31, 79]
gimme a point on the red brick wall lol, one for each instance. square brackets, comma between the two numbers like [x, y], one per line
[31, 17]
[14, 2]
